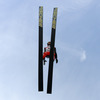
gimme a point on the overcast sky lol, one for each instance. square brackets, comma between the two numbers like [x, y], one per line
[77, 74]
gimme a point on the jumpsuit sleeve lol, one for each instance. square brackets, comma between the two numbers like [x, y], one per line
[44, 49]
[55, 53]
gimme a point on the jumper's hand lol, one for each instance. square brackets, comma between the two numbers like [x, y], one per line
[56, 60]
[44, 61]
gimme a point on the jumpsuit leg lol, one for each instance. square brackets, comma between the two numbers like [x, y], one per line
[46, 54]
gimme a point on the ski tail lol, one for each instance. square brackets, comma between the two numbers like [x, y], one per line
[40, 51]
[50, 71]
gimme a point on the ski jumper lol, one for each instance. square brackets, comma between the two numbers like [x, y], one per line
[47, 52]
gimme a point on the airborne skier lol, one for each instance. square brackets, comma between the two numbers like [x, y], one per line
[47, 53]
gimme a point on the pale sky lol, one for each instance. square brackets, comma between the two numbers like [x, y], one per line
[77, 74]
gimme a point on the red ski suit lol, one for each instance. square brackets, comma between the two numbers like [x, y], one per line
[47, 52]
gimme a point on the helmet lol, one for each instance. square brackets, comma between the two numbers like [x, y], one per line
[48, 43]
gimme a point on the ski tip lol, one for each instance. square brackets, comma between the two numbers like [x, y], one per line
[54, 18]
[56, 8]
[41, 16]
[40, 6]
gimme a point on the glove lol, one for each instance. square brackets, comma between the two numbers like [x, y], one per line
[44, 61]
[56, 60]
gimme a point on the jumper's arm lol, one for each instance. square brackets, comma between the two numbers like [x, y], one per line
[44, 49]
[55, 53]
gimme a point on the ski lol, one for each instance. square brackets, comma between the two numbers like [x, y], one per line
[40, 51]
[50, 70]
